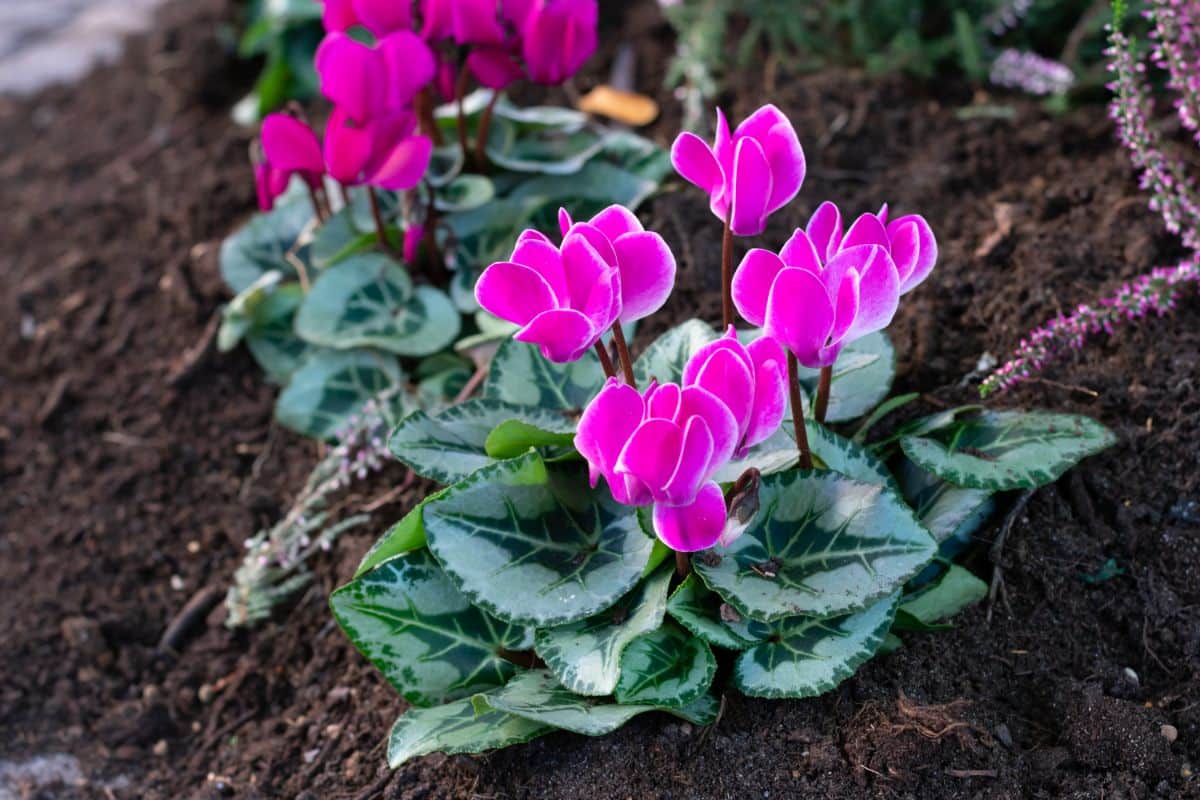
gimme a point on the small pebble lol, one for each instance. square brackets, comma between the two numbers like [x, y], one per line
[1003, 734]
[177, 583]
[193, 547]
[1169, 732]
[205, 693]
[1132, 677]
[160, 748]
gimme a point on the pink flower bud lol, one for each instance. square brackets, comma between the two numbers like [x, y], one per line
[289, 148]
[748, 175]
[557, 36]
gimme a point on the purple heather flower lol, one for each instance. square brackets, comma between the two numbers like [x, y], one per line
[749, 174]
[1031, 73]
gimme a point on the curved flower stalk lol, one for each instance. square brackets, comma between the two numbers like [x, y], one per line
[608, 271]
[748, 174]
[664, 445]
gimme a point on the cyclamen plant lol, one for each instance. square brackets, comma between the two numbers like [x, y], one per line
[537, 590]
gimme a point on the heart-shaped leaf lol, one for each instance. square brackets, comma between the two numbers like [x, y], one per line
[665, 359]
[425, 637]
[862, 377]
[339, 237]
[521, 374]
[464, 193]
[405, 536]
[263, 243]
[841, 455]
[806, 657]
[707, 616]
[947, 511]
[452, 444]
[1006, 450]
[586, 656]
[331, 386]
[457, 727]
[538, 697]
[954, 591]
[514, 437]
[665, 667]
[537, 546]
[551, 151]
[821, 545]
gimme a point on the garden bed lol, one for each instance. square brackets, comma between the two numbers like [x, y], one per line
[134, 463]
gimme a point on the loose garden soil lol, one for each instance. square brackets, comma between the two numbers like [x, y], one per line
[134, 462]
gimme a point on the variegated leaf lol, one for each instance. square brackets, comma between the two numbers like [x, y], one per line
[423, 634]
[821, 545]
[1006, 450]
[331, 386]
[263, 243]
[403, 537]
[586, 656]
[272, 339]
[666, 668]
[707, 616]
[665, 359]
[452, 444]
[537, 696]
[521, 374]
[954, 591]
[535, 545]
[862, 377]
[806, 657]
[947, 511]
[457, 728]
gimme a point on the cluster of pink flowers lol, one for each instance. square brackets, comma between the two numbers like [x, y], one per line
[372, 135]
[1155, 293]
[1172, 192]
[825, 288]
[1176, 35]
[1031, 73]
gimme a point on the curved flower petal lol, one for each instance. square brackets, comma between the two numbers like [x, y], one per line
[476, 22]
[587, 273]
[616, 221]
[350, 74]
[695, 401]
[878, 292]
[542, 257]
[695, 456]
[825, 230]
[751, 188]
[652, 454]
[558, 38]
[662, 402]
[867, 229]
[694, 160]
[338, 15]
[692, 527]
[606, 425]
[514, 292]
[647, 268]
[596, 238]
[494, 67]
[752, 284]
[770, 391]
[729, 377]
[408, 64]
[800, 315]
[290, 145]
[382, 17]
[786, 159]
[926, 246]
[800, 252]
[563, 334]
[404, 165]
[348, 148]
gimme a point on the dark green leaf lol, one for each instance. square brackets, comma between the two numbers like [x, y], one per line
[707, 616]
[331, 386]
[666, 667]
[457, 727]
[521, 374]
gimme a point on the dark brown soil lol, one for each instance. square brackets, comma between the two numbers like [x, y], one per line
[131, 473]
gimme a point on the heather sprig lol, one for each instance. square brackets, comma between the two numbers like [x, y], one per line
[1031, 73]
[1154, 293]
[1176, 35]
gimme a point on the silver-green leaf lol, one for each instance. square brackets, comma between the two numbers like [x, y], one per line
[423, 634]
[666, 357]
[1006, 450]
[520, 374]
[806, 657]
[862, 377]
[707, 616]
[537, 546]
[264, 242]
[667, 668]
[586, 655]
[821, 545]
[947, 511]
[331, 386]
[454, 728]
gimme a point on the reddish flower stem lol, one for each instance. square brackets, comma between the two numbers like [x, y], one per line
[727, 272]
[460, 90]
[318, 209]
[683, 564]
[798, 412]
[485, 130]
[424, 109]
[822, 402]
[605, 360]
[623, 354]
[385, 241]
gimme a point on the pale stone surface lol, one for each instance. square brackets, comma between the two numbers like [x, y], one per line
[57, 41]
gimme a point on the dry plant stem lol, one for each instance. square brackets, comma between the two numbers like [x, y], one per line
[683, 564]
[623, 354]
[385, 241]
[605, 360]
[822, 403]
[485, 130]
[460, 91]
[798, 412]
[727, 273]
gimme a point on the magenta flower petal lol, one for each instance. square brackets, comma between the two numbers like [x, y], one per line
[339, 15]
[752, 284]
[800, 252]
[662, 402]
[695, 162]
[536, 252]
[616, 221]
[729, 376]
[692, 527]
[514, 292]
[695, 455]
[786, 159]
[927, 250]
[494, 67]
[846, 294]
[413, 236]
[883, 214]
[564, 221]
[382, 17]
[606, 425]
[751, 188]
[770, 390]
[291, 146]
[879, 289]
[404, 165]
[596, 238]
[558, 37]
[348, 148]
[800, 315]
[647, 269]
[350, 75]
[652, 454]
[825, 230]
[695, 401]
[529, 234]
[563, 335]
[476, 22]
[866, 230]
[406, 65]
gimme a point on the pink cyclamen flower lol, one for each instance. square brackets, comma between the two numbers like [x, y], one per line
[467, 22]
[386, 151]
[909, 240]
[367, 82]
[564, 298]
[557, 36]
[662, 447]
[750, 380]
[815, 309]
[339, 15]
[748, 175]
[645, 264]
[289, 148]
